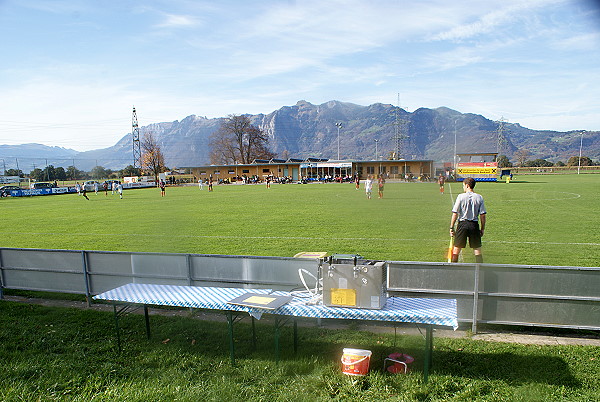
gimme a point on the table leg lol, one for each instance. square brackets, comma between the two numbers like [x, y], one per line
[295, 336]
[428, 352]
[147, 321]
[231, 345]
[117, 330]
[276, 340]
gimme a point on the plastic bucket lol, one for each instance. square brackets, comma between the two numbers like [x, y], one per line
[400, 363]
[356, 361]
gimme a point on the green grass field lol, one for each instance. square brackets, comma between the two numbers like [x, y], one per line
[538, 220]
[62, 354]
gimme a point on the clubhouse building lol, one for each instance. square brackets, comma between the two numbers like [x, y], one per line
[316, 168]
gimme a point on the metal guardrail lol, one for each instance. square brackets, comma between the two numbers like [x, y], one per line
[94, 272]
[523, 295]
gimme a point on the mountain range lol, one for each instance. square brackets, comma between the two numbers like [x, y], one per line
[305, 130]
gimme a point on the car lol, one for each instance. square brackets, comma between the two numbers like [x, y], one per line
[43, 185]
[5, 190]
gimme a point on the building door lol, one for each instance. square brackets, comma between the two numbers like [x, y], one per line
[294, 173]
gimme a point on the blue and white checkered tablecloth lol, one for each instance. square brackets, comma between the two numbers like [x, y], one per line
[397, 309]
[180, 296]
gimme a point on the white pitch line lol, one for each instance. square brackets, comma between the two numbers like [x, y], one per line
[293, 238]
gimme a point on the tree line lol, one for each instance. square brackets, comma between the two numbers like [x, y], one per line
[51, 173]
[522, 161]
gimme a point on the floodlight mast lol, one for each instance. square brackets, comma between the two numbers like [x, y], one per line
[580, 149]
[137, 151]
[339, 125]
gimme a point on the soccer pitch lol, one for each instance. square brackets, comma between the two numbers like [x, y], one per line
[537, 220]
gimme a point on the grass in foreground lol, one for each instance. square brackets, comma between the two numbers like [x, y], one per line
[51, 353]
[545, 220]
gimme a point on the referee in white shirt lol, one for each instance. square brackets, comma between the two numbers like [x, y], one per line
[469, 211]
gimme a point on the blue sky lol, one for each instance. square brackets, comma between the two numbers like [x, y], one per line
[71, 70]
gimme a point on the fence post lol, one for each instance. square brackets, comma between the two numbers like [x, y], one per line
[188, 260]
[86, 278]
[475, 300]
[1, 277]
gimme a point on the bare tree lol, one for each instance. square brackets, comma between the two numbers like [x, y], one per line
[238, 141]
[152, 157]
[522, 155]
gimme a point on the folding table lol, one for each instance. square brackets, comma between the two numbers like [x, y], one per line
[428, 312]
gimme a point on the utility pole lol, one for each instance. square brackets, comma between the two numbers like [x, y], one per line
[137, 150]
[580, 149]
[454, 167]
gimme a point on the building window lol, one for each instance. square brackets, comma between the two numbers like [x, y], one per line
[203, 172]
[217, 172]
[246, 171]
[266, 171]
[231, 172]
[370, 169]
[394, 169]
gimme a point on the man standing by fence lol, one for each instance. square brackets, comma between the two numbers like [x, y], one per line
[468, 210]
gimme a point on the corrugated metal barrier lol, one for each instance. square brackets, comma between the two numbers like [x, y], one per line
[544, 296]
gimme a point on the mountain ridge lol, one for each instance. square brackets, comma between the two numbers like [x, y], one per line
[307, 130]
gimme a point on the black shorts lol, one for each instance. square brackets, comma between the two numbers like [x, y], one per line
[470, 230]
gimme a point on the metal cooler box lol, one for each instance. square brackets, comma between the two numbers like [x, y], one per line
[358, 286]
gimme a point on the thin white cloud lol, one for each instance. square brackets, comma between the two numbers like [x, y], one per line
[177, 21]
[582, 42]
[487, 23]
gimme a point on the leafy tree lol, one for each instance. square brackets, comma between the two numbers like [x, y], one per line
[539, 163]
[152, 157]
[49, 173]
[14, 172]
[238, 141]
[98, 172]
[37, 174]
[574, 161]
[130, 171]
[60, 173]
[73, 173]
[503, 161]
[559, 163]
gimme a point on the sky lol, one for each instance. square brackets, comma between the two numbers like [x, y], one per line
[71, 71]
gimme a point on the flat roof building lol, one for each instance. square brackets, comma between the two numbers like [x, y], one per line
[315, 168]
